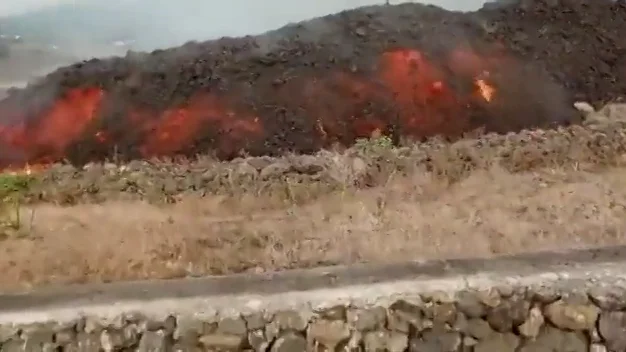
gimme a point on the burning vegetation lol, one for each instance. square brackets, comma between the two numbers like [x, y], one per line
[410, 71]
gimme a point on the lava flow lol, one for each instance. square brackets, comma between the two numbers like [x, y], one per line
[408, 70]
[46, 137]
[407, 94]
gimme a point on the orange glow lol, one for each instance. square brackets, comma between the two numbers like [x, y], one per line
[407, 91]
[337, 106]
[426, 104]
[485, 90]
[177, 128]
[47, 137]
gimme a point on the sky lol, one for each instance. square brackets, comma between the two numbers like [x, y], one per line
[9, 7]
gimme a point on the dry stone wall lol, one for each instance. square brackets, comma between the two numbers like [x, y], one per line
[527, 304]
[489, 321]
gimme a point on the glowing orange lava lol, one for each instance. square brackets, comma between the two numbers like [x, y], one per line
[427, 105]
[485, 90]
[180, 127]
[409, 91]
[418, 89]
[47, 137]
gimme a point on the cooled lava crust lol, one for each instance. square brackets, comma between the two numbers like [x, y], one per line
[409, 70]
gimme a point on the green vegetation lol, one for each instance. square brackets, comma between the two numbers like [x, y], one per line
[12, 187]
[374, 145]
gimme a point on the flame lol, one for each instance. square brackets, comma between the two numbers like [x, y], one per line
[468, 63]
[485, 90]
[407, 91]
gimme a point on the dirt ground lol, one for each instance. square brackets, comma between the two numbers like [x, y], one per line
[490, 213]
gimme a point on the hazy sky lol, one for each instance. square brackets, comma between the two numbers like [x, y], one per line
[8, 7]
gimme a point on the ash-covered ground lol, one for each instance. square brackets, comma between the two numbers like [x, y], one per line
[408, 70]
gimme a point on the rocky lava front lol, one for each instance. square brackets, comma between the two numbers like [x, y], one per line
[407, 71]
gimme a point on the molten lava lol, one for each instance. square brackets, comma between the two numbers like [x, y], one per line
[485, 90]
[407, 93]
[427, 105]
[177, 129]
[46, 137]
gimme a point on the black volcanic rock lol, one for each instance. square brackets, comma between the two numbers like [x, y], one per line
[337, 78]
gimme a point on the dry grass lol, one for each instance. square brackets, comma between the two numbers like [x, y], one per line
[478, 197]
[490, 213]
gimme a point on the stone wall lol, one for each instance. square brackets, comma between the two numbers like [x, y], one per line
[566, 302]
